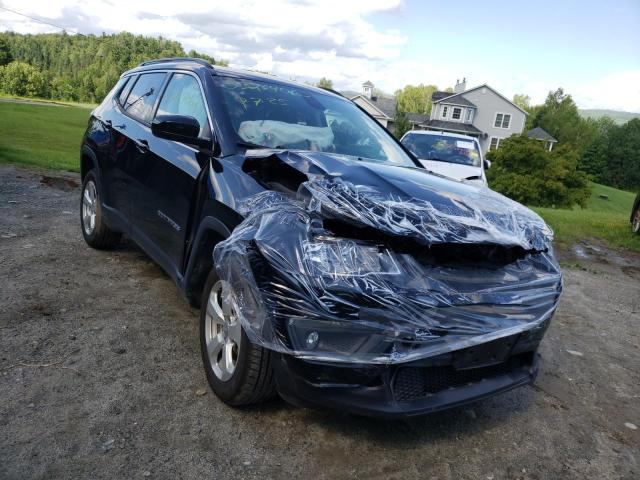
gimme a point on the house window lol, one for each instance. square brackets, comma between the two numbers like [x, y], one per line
[457, 113]
[502, 120]
[495, 143]
[444, 111]
[469, 115]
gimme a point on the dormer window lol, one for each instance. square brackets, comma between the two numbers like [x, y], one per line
[457, 113]
[445, 110]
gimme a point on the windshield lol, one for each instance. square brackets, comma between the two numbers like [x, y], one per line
[445, 149]
[272, 115]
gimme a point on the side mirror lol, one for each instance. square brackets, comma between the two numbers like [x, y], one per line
[180, 128]
[487, 164]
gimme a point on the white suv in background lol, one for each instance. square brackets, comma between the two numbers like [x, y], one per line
[455, 156]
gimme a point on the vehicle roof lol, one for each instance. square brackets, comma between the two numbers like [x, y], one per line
[442, 134]
[197, 64]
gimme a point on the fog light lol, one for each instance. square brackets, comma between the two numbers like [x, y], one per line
[312, 340]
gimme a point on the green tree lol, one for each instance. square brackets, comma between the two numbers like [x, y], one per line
[401, 124]
[415, 99]
[525, 171]
[5, 52]
[19, 78]
[325, 83]
[559, 116]
[85, 67]
[522, 100]
[596, 154]
[623, 156]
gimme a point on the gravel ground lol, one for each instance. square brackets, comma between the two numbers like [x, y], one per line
[101, 377]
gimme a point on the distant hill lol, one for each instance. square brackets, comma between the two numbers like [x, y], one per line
[618, 116]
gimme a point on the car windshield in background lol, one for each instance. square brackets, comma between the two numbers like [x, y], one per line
[444, 149]
[274, 115]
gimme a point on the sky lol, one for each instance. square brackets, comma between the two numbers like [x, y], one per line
[589, 48]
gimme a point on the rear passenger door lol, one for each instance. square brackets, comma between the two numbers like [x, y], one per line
[165, 177]
[130, 128]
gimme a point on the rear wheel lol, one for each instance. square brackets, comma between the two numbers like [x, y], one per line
[94, 230]
[635, 224]
[238, 371]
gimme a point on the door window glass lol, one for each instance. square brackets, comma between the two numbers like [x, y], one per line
[143, 95]
[183, 97]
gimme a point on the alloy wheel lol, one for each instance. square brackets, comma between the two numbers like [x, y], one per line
[223, 333]
[89, 207]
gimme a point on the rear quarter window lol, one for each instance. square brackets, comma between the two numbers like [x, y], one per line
[124, 89]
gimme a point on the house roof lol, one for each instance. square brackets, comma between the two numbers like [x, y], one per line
[386, 106]
[466, 128]
[450, 98]
[540, 134]
[367, 84]
[457, 101]
[436, 96]
[418, 118]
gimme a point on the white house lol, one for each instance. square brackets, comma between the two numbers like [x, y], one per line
[382, 109]
[480, 112]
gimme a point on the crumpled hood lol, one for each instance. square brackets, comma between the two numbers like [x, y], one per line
[408, 202]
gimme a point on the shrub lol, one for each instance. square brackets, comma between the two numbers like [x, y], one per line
[525, 171]
[19, 78]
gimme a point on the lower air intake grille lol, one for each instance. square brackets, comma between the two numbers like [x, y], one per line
[412, 383]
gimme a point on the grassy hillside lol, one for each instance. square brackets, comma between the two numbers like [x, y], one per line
[607, 220]
[617, 116]
[42, 135]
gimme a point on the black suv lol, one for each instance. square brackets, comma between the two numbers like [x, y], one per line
[329, 265]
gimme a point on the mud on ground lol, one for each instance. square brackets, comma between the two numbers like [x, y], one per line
[101, 377]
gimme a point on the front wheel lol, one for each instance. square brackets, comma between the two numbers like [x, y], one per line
[238, 371]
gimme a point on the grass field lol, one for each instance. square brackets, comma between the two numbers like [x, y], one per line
[42, 135]
[607, 220]
[49, 136]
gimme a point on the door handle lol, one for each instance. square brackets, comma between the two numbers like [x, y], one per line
[142, 145]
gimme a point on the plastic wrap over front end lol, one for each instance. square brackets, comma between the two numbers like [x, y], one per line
[346, 273]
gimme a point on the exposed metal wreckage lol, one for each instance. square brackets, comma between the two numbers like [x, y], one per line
[362, 263]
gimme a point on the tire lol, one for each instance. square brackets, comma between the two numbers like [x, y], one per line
[635, 224]
[249, 379]
[94, 230]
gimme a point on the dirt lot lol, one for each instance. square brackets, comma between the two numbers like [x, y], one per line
[100, 377]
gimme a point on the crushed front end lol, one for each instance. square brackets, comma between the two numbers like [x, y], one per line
[390, 301]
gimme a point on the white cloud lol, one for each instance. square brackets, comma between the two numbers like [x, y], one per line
[305, 40]
[618, 91]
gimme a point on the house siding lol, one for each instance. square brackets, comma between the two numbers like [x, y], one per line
[366, 106]
[488, 104]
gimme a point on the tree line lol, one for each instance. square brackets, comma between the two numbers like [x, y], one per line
[80, 68]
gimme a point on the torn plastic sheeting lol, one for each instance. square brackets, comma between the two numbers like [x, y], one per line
[488, 217]
[299, 289]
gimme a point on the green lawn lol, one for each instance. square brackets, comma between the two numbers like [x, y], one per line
[42, 135]
[607, 220]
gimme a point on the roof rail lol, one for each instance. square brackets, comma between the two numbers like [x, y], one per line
[199, 61]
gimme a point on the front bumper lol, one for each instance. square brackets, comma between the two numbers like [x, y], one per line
[412, 388]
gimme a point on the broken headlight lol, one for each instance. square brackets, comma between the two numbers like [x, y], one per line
[338, 257]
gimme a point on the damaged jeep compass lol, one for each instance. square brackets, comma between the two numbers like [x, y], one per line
[330, 267]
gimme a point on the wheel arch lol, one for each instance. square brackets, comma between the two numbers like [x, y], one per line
[210, 232]
[88, 161]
